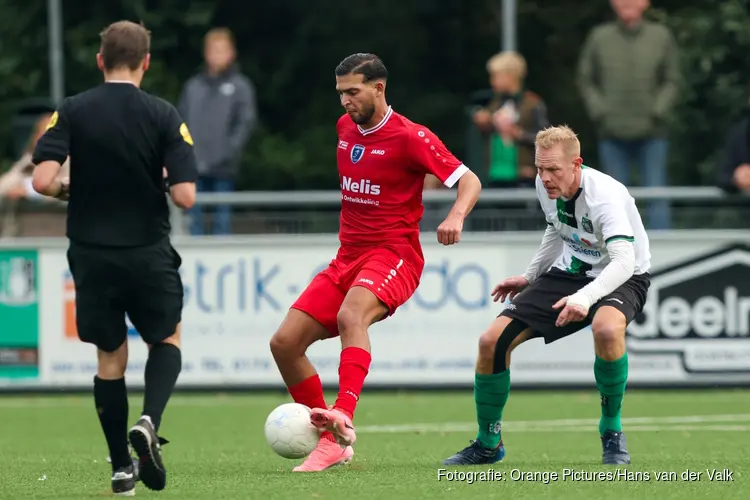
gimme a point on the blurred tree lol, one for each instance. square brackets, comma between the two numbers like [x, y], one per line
[176, 25]
[435, 50]
[714, 39]
[23, 60]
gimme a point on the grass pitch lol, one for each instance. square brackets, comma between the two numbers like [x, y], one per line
[52, 447]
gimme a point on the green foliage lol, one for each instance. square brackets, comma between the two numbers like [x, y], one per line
[714, 38]
[435, 50]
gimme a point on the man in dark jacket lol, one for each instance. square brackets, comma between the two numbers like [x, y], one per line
[219, 107]
[629, 77]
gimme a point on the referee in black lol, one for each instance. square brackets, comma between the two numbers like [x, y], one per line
[120, 140]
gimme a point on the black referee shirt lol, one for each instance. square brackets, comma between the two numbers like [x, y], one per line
[119, 138]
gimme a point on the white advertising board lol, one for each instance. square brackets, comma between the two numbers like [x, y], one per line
[695, 329]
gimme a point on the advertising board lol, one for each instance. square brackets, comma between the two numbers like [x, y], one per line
[695, 328]
[19, 316]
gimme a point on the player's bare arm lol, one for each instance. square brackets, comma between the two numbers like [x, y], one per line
[509, 288]
[46, 182]
[51, 152]
[183, 194]
[469, 187]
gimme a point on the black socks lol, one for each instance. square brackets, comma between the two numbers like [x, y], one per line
[111, 399]
[162, 369]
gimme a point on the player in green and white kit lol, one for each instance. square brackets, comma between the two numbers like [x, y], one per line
[591, 269]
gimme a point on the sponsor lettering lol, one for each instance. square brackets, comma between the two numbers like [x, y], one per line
[701, 310]
[708, 317]
[362, 186]
[579, 246]
[361, 201]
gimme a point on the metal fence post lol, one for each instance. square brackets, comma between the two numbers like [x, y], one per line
[56, 58]
[509, 25]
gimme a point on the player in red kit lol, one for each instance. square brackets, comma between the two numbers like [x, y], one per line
[382, 162]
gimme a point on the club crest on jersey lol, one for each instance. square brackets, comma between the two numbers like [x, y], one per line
[357, 153]
[587, 225]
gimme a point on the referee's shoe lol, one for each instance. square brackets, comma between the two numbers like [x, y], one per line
[147, 446]
[124, 479]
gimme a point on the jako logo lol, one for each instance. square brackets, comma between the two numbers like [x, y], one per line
[701, 310]
[362, 186]
[365, 280]
[380, 152]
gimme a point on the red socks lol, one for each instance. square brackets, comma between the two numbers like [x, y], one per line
[353, 369]
[309, 392]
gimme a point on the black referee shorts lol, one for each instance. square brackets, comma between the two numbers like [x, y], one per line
[533, 306]
[143, 282]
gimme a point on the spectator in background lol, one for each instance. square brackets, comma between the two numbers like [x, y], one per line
[628, 75]
[509, 123]
[219, 108]
[15, 184]
[734, 167]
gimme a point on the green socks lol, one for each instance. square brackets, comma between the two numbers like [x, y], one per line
[490, 394]
[611, 377]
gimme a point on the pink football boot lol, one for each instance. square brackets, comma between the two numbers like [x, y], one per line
[337, 423]
[327, 454]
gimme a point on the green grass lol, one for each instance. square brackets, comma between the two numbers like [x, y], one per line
[52, 447]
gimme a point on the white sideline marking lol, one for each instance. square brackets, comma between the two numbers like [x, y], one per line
[567, 430]
[633, 424]
[570, 425]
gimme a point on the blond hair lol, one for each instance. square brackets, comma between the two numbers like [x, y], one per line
[552, 136]
[223, 34]
[509, 62]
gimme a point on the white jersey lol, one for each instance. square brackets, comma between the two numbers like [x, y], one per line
[601, 211]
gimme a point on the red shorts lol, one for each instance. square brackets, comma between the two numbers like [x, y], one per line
[389, 277]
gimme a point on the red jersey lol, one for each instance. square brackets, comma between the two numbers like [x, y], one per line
[381, 173]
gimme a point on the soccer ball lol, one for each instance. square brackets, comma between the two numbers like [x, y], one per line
[289, 432]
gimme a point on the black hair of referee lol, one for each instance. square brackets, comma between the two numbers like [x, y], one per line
[126, 148]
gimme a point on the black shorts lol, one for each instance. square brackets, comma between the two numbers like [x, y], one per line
[533, 306]
[142, 282]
